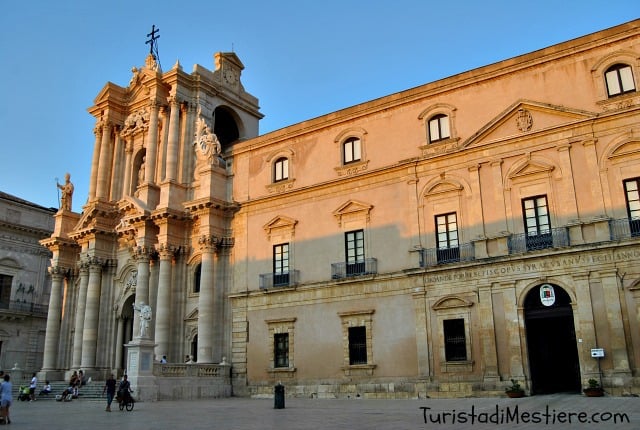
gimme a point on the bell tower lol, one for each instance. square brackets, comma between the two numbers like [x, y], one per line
[159, 209]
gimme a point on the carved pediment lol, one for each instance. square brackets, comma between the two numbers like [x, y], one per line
[444, 187]
[280, 224]
[450, 302]
[530, 167]
[526, 117]
[625, 149]
[110, 92]
[192, 316]
[352, 208]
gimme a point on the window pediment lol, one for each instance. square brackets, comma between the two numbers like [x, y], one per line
[625, 149]
[530, 167]
[451, 302]
[444, 187]
[192, 316]
[280, 224]
[353, 209]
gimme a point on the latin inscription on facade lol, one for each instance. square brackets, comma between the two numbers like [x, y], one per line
[536, 267]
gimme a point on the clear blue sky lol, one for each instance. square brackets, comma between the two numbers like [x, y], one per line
[302, 59]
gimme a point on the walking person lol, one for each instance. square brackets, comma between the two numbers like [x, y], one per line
[5, 399]
[32, 387]
[110, 389]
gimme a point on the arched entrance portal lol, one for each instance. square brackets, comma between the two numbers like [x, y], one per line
[551, 340]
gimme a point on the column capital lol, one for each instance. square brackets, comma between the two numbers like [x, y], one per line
[142, 253]
[166, 251]
[91, 261]
[212, 242]
[58, 271]
[173, 100]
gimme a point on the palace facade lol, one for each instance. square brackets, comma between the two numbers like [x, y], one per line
[24, 284]
[439, 241]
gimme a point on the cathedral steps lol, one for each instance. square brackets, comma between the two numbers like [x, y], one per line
[91, 391]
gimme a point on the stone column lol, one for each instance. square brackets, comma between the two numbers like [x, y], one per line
[152, 145]
[617, 339]
[422, 338]
[487, 335]
[119, 341]
[593, 179]
[116, 176]
[498, 220]
[126, 188]
[92, 314]
[221, 263]
[569, 206]
[174, 129]
[80, 315]
[186, 175]
[206, 300]
[54, 315]
[104, 164]
[512, 328]
[97, 130]
[163, 311]
[585, 327]
[142, 285]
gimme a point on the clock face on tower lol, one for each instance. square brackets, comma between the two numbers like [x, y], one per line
[230, 76]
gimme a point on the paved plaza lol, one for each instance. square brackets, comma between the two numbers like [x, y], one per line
[240, 413]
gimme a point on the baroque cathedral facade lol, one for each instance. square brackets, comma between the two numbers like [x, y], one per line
[439, 241]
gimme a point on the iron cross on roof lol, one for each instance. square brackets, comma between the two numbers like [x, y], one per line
[152, 38]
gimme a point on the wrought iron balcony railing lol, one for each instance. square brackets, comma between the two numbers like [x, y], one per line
[368, 266]
[279, 280]
[523, 242]
[434, 256]
[625, 228]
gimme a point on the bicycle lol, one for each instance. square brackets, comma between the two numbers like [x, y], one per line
[125, 401]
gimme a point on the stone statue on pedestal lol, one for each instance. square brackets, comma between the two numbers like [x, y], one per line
[145, 318]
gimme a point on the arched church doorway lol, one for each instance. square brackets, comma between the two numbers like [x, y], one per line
[194, 348]
[551, 340]
[126, 325]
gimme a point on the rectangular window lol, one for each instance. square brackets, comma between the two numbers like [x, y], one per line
[354, 250]
[455, 342]
[439, 128]
[5, 290]
[447, 238]
[632, 195]
[281, 350]
[352, 150]
[281, 170]
[357, 345]
[537, 223]
[281, 264]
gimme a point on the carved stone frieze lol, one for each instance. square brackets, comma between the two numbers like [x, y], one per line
[135, 123]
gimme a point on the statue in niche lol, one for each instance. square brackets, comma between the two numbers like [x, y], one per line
[141, 171]
[67, 193]
[145, 317]
[206, 140]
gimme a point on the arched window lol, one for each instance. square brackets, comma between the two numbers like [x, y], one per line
[281, 169]
[439, 128]
[619, 79]
[196, 278]
[351, 150]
